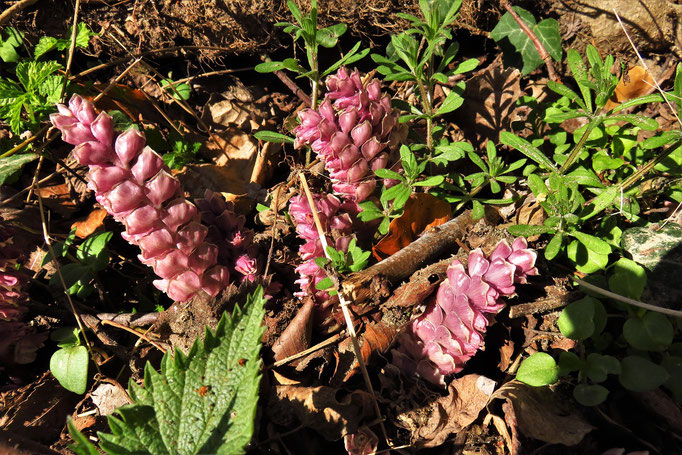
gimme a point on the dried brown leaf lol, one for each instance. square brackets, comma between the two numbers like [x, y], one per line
[638, 82]
[541, 414]
[296, 337]
[422, 212]
[330, 411]
[91, 224]
[433, 423]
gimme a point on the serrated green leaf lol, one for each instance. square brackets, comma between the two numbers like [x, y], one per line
[82, 445]
[46, 44]
[202, 402]
[538, 370]
[11, 164]
[70, 367]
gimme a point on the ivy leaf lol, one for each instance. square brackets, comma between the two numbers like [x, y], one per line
[508, 32]
[202, 402]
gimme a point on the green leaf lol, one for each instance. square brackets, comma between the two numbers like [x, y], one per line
[70, 367]
[508, 30]
[453, 101]
[646, 123]
[577, 319]
[592, 243]
[202, 402]
[93, 245]
[11, 164]
[628, 279]
[577, 65]
[82, 445]
[467, 65]
[478, 211]
[324, 283]
[46, 44]
[590, 394]
[538, 370]
[586, 260]
[653, 332]
[568, 362]
[271, 136]
[384, 173]
[554, 246]
[527, 149]
[269, 67]
[526, 230]
[562, 90]
[639, 374]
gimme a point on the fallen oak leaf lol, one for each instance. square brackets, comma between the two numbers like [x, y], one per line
[422, 212]
[91, 224]
[296, 337]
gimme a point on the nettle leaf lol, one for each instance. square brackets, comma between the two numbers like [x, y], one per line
[508, 32]
[538, 370]
[202, 402]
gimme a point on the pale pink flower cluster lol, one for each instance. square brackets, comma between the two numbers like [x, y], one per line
[350, 132]
[336, 222]
[450, 332]
[18, 341]
[132, 183]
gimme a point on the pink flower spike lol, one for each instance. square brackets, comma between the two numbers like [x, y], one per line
[129, 145]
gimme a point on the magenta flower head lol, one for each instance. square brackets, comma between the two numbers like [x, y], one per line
[131, 182]
[450, 332]
[351, 131]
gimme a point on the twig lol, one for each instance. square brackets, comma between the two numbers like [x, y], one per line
[536, 42]
[48, 242]
[27, 189]
[344, 308]
[311, 349]
[117, 79]
[272, 234]
[409, 259]
[142, 336]
[541, 305]
[14, 9]
[291, 85]
[620, 298]
[72, 48]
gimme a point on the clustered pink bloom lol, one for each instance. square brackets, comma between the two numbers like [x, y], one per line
[450, 332]
[350, 131]
[18, 341]
[337, 224]
[226, 230]
[132, 183]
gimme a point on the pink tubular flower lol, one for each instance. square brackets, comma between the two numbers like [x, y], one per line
[337, 224]
[131, 182]
[18, 341]
[350, 131]
[450, 332]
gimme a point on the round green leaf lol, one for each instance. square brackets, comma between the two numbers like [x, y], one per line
[590, 394]
[628, 279]
[577, 320]
[586, 260]
[659, 328]
[568, 362]
[538, 370]
[639, 374]
[595, 369]
[70, 367]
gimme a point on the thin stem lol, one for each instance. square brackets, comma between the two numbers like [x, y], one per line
[648, 166]
[578, 148]
[534, 39]
[72, 48]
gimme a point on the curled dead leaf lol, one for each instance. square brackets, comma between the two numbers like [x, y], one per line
[433, 423]
[330, 411]
[541, 414]
[422, 212]
[91, 224]
[296, 337]
[638, 82]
